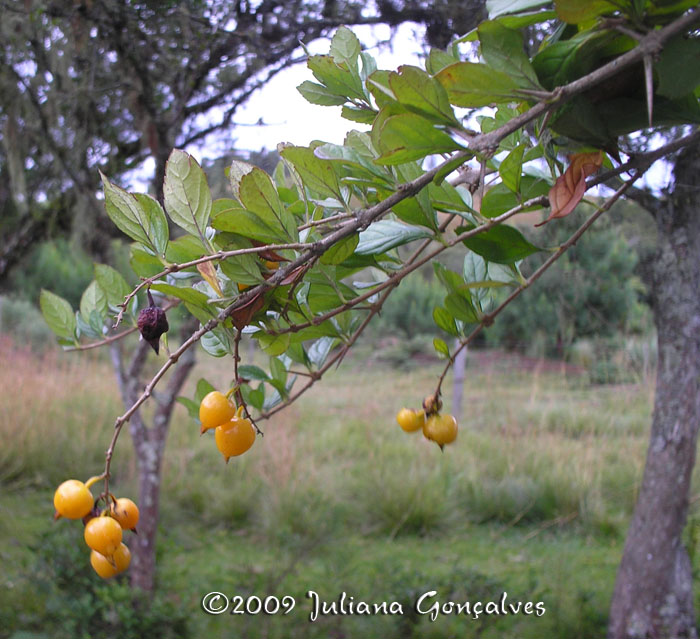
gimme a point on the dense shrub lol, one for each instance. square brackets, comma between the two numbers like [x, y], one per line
[73, 603]
[56, 265]
[23, 321]
[409, 309]
[591, 291]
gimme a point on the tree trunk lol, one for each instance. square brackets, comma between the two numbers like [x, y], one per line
[149, 444]
[458, 382]
[143, 546]
[653, 592]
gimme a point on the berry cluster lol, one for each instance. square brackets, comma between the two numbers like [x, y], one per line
[103, 529]
[441, 429]
[234, 433]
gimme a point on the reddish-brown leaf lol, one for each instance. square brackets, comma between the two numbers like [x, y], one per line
[242, 315]
[293, 275]
[269, 254]
[570, 187]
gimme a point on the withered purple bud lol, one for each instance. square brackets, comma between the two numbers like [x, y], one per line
[152, 323]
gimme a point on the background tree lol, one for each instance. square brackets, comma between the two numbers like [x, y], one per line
[109, 84]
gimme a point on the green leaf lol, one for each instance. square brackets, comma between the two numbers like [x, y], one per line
[186, 194]
[417, 209]
[345, 48]
[387, 234]
[445, 321]
[93, 299]
[143, 263]
[273, 344]
[441, 347]
[248, 224]
[356, 155]
[251, 372]
[378, 85]
[191, 406]
[242, 269]
[203, 389]
[317, 174]
[461, 308]
[254, 397]
[452, 281]
[216, 344]
[139, 216]
[258, 195]
[474, 268]
[318, 351]
[470, 84]
[438, 60]
[502, 244]
[318, 94]
[112, 284]
[193, 298]
[511, 168]
[184, 249]
[339, 252]
[58, 314]
[339, 80]
[577, 11]
[407, 137]
[278, 369]
[500, 7]
[422, 94]
[156, 222]
[500, 198]
[363, 115]
[678, 67]
[502, 49]
[324, 297]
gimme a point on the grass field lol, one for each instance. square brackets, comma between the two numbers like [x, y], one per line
[533, 499]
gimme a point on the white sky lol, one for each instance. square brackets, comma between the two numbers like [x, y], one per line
[291, 118]
[297, 121]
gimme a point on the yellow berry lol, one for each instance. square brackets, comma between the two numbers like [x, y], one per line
[73, 499]
[235, 437]
[441, 429]
[126, 512]
[410, 420]
[103, 534]
[215, 409]
[108, 567]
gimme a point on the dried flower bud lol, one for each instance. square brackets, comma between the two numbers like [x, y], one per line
[432, 405]
[152, 323]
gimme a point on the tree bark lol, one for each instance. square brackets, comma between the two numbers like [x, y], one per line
[653, 591]
[149, 444]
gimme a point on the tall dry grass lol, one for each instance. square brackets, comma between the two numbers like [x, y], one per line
[56, 414]
[535, 447]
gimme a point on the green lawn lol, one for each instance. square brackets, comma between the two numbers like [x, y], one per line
[533, 500]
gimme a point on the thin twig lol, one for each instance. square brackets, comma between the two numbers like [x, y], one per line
[219, 255]
[409, 267]
[488, 318]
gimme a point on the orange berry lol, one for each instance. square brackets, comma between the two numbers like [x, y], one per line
[108, 567]
[235, 437]
[103, 534]
[410, 420]
[126, 512]
[441, 429]
[73, 499]
[215, 409]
